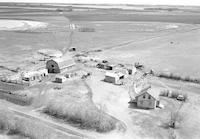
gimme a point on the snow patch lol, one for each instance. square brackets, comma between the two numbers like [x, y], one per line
[171, 26]
[24, 47]
[9, 25]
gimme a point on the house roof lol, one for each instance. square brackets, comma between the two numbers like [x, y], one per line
[121, 69]
[29, 74]
[50, 52]
[44, 70]
[66, 63]
[60, 77]
[151, 91]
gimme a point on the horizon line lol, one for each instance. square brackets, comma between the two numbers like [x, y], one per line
[80, 3]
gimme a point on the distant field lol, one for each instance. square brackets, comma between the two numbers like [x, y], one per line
[19, 47]
[111, 34]
[137, 36]
[115, 15]
[177, 53]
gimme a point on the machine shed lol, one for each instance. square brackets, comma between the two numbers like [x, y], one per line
[59, 64]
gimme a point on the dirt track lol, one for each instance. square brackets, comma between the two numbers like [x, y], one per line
[124, 44]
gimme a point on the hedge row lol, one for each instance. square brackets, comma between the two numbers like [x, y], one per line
[178, 77]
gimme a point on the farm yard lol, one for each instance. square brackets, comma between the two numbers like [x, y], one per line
[75, 101]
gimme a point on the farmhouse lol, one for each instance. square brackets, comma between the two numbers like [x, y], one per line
[114, 77]
[147, 98]
[58, 65]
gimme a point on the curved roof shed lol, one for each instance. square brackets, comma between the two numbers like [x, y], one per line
[58, 64]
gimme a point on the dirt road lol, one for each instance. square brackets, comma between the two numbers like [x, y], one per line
[68, 132]
[29, 113]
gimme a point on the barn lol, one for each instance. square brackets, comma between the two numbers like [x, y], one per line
[147, 99]
[58, 65]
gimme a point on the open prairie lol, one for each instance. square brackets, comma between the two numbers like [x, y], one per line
[164, 39]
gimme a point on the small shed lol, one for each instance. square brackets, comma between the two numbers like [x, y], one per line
[60, 79]
[43, 72]
[72, 49]
[58, 65]
[131, 70]
[114, 77]
[106, 66]
[31, 77]
[147, 99]
[70, 74]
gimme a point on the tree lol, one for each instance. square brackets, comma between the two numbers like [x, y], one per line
[172, 134]
[175, 117]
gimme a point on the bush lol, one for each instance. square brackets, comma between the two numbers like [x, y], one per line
[173, 94]
[177, 77]
[26, 127]
[187, 78]
[84, 114]
[164, 93]
[78, 109]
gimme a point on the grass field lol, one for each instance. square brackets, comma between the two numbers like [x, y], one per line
[110, 33]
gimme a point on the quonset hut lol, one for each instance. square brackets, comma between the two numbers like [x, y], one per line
[58, 65]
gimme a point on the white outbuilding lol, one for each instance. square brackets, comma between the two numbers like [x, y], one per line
[32, 77]
[60, 79]
[114, 77]
[42, 72]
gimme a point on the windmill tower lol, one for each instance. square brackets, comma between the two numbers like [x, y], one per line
[131, 91]
[72, 27]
